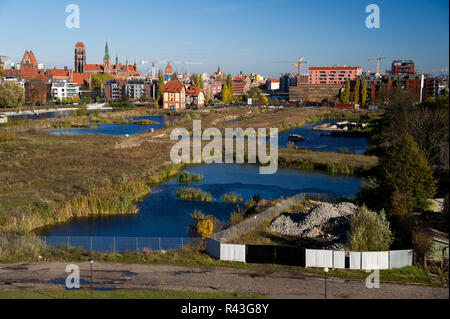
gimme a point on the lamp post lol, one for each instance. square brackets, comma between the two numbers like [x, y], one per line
[326, 271]
[91, 261]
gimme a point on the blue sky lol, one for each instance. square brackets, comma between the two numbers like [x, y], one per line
[237, 35]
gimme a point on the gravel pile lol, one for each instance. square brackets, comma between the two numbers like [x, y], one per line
[328, 221]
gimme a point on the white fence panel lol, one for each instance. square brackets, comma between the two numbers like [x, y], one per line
[400, 258]
[213, 248]
[318, 258]
[375, 260]
[231, 252]
[339, 259]
[355, 259]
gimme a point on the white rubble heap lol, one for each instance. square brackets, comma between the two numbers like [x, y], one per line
[325, 220]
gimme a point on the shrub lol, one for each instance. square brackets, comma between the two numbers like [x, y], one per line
[232, 197]
[369, 231]
[6, 136]
[186, 193]
[185, 177]
[422, 247]
[405, 178]
[202, 226]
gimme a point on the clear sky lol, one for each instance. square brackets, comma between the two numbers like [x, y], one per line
[235, 34]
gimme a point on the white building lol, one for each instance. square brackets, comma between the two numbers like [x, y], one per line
[63, 89]
[273, 84]
[15, 80]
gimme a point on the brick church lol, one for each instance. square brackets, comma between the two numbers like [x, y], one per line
[118, 70]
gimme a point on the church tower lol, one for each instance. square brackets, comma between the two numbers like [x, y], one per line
[80, 57]
[107, 60]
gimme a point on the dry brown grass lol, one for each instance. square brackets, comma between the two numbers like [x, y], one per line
[35, 166]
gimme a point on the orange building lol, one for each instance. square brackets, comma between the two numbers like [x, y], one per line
[174, 95]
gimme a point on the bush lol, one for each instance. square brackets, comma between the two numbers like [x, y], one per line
[186, 193]
[369, 231]
[422, 247]
[405, 178]
[185, 178]
[232, 197]
[202, 226]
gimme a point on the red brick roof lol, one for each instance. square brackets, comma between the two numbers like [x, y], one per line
[173, 87]
[80, 78]
[169, 69]
[79, 44]
[58, 72]
[32, 57]
[274, 80]
[41, 76]
[193, 90]
[26, 74]
[94, 67]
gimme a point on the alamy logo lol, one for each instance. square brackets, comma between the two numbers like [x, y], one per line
[73, 279]
[373, 19]
[73, 19]
[373, 280]
[213, 151]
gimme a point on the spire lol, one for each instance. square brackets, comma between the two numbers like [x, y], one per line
[126, 62]
[106, 51]
[117, 60]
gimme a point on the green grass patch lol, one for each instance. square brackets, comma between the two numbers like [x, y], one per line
[145, 122]
[122, 294]
[411, 274]
[232, 197]
[188, 193]
[186, 177]
[8, 136]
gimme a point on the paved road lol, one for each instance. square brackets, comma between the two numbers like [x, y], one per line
[283, 283]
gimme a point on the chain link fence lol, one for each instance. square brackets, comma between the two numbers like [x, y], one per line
[99, 244]
[250, 223]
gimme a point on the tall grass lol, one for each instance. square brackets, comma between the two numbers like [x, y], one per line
[6, 136]
[165, 173]
[197, 194]
[118, 198]
[110, 199]
[232, 197]
[186, 177]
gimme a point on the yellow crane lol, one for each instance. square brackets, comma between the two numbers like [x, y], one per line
[380, 58]
[297, 64]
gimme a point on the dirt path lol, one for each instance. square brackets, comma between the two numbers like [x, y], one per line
[280, 284]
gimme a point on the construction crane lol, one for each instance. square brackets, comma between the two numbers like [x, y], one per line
[5, 61]
[437, 71]
[380, 58]
[297, 64]
[156, 62]
[153, 63]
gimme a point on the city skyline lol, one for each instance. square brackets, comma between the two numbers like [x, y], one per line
[237, 36]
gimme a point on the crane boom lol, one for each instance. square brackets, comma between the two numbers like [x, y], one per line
[380, 58]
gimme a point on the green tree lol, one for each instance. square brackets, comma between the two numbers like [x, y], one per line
[369, 231]
[161, 81]
[197, 81]
[405, 179]
[356, 90]
[363, 93]
[227, 95]
[229, 82]
[263, 100]
[98, 79]
[254, 93]
[12, 94]
[346, 95]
